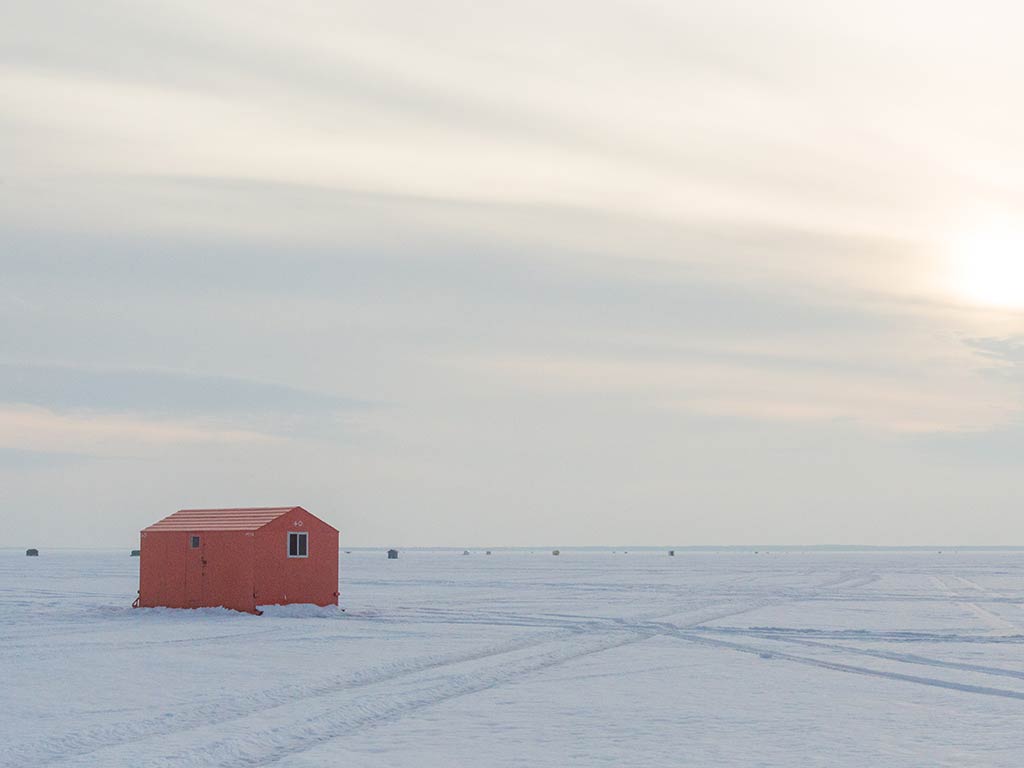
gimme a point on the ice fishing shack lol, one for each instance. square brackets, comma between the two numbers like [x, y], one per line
[238, 558]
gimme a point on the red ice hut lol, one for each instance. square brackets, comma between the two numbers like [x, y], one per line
[238, 558]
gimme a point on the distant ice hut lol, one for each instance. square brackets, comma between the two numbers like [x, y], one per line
[392, 554]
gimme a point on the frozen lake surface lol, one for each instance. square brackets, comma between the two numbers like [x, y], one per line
[518, 659]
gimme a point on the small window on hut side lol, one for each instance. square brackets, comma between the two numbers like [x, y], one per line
[195, 542]
[298, 545]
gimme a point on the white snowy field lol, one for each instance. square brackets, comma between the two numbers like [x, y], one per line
[519, 659]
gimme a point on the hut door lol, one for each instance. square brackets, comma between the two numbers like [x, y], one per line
[195, 569]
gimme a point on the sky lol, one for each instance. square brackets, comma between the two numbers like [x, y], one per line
[534, 273]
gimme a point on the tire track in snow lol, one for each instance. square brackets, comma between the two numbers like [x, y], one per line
[844, 580]
[843, 667]
[996, 622]
[225, 709]
[266, 737]
[884, 636]
[41, 650]
[995, 597]
[906, 658]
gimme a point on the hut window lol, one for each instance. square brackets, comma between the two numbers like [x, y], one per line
[298, 545]
[195, 542]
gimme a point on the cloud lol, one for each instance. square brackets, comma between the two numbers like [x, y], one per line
[63, 387]
[103, 407]
[1008, 350]
[39, 429]
[653, 111]
[761, 389]
[22, 460]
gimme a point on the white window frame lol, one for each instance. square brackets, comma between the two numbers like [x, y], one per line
[289, 543]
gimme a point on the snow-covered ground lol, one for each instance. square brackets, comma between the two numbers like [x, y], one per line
[519, 659]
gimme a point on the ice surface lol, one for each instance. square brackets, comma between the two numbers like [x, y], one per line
[518, 659]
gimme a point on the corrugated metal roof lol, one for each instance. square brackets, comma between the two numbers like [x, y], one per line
[243, 519]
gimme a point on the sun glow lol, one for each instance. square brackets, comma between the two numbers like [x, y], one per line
[988, 264]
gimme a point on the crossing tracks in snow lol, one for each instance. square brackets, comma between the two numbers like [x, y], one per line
[96, 684]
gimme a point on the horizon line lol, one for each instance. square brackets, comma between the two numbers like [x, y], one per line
[626, 547]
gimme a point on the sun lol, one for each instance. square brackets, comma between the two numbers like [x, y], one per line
[988, 264]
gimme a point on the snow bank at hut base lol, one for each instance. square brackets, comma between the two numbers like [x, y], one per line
[587, 659]
[303, 611]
